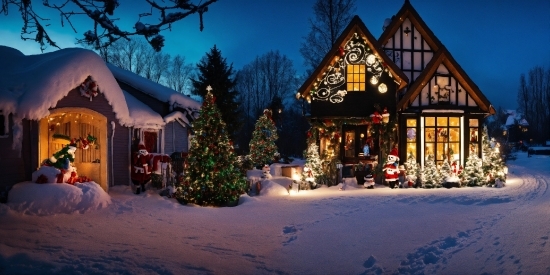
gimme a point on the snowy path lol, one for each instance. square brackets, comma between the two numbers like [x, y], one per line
[326, 231]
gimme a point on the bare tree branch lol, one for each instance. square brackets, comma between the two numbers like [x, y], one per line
[105, 30]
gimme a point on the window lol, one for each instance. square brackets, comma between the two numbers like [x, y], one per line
[411, 138]
[474, 136]
[356, 77]
[442, 135]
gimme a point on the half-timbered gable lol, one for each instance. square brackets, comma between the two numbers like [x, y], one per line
[409, 42]
[442, 110]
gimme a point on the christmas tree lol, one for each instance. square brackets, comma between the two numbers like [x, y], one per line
[493, 165]
[445, 171]
[262, 144]
[213, 176]
[430, 175]
[412, 168]
[312, 168]
[213, 71]
[473, 172]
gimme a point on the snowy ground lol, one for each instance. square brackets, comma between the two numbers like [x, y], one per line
[325, 231]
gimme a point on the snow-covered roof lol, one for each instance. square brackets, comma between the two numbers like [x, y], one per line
[154, 89]
[141, 114]
[31, 85]
[515, 118]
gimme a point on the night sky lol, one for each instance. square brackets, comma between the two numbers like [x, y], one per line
[494, 41]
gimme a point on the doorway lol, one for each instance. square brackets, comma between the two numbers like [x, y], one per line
[64, 124]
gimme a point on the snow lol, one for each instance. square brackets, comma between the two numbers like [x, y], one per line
[30, 85]
[154, 89]
[141, 114]
[472, 230]
[57, 198]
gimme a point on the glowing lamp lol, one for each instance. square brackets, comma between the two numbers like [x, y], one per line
[382, 88]
[505, 170]
[374, 80]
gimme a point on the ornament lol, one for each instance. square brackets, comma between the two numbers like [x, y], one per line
[89, 88]
[376, 117]
[341, 51]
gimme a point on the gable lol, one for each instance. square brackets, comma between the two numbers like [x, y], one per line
[409, 42]
[354, 71]
[444, 83]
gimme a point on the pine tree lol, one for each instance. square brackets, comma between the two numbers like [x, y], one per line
[312, 167]
[214, 72]
[213, 176]
[472, 175]
[445, 171]
[430, 175]
[262, 145]
[493, 165]
[412, 167]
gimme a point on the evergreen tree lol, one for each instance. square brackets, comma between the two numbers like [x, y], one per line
[430, 175]
[472, 175]
[213, 176]
[445, 171]
[412, 168]
[493, 165]
[262, 145]
[214, 72]
[312, 168]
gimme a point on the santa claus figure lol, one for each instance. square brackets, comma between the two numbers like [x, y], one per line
[391, 172]
[141, 172]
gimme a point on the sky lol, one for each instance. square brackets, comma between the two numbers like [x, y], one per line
[494, 41]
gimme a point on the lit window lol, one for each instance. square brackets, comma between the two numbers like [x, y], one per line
[356, 77]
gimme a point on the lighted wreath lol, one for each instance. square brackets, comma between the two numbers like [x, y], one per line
[89, 88]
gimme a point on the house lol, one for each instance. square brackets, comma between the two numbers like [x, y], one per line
[515, 127]
[73, 93]
[404, 90]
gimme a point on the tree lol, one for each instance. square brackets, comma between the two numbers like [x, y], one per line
[313, 168]
[412, 168]
[473, 171]
[430, 176]
[331, 17]
[269, 81]
[445, 171]
[213, 176]
[493, 165]
[262, 145]
[214, 71]
[179, 74]
[534, 102]
[105, 31]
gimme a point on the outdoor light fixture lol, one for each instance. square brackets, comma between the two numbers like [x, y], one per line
[382, 88]
[374, 80]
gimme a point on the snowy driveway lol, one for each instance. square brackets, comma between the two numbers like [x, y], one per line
[325, 231]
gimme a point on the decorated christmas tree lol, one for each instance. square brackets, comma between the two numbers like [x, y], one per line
[445, 171]
[473, 172]
[312, 168]
[493, 165]
[412, 168]
[213, 176]
[430, 174]
[262, 144]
